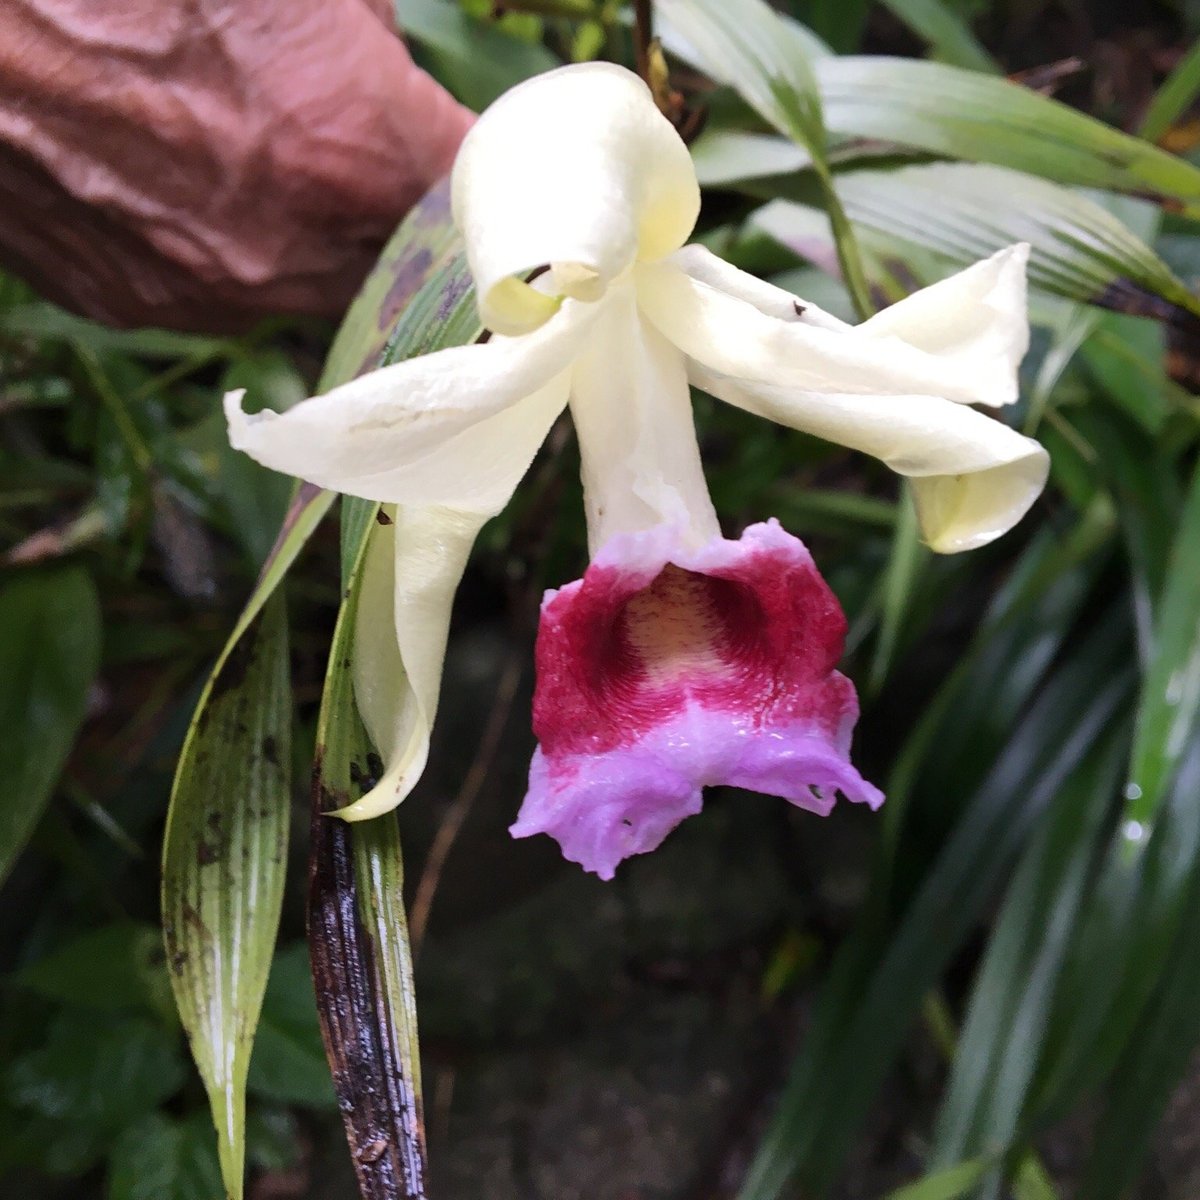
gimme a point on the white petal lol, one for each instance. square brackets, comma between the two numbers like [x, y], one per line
[412, 569]
[576, 169]
[411, 572]
[706, 267]
[736, 338]
[977, 317]
[388, 435]
[973, 477]
[637, 440]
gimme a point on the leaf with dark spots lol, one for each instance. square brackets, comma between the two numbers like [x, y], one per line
[421, 247]
[358, 939]
[223, 868]
[1125, 296]
[371, 1071]
[238, 745]
[411, 272]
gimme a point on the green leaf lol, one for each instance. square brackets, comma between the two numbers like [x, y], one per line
[1147, 499]
[879, 978]
[97, 1084]
[725, 156]
[473, 58]
[963, 114]
[1139, 907]
[419, 249]
[49, 655]
[905, 562]
[118, 967]
[289, 1059]
[757, 51]
[965, 212]
[948, 35]
[358, 936]
[947, 1184]
[840, 23]
[1157, 1055]
[163, 1159]
[1006, 1023]
[224, 858]
[1126, 359]
[767, 60]
[424, 244]
[47, 322]
[1170, 699]
[1175, 96]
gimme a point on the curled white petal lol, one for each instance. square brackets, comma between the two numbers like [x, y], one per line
[975, 318]
[973, 477]
[734, 338]
[394, 435]
[575, 169]
[702, 265]
[411, 572]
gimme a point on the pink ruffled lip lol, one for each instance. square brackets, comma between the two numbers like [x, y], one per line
[663, 671]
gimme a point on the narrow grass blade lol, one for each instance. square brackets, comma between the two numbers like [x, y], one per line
[949, 36]
[1159, 1050]
[224, 859]
[1171, 100]
[879, 979]
[907, 558]
[49, 655]
[1170, 700]
[1002, 1039]
[1141, 900]
[950, 1183]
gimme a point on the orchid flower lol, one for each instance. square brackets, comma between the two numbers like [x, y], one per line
[681, 659]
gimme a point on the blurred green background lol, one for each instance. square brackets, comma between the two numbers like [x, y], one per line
[992, 988]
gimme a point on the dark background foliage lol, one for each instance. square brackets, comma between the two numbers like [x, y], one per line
[990, 988]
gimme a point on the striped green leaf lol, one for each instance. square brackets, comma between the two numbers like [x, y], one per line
[224, 860]
[963, 212]
[220, 1008]
[1171, 100]
[766, 58]
[964, 114]
[1006, 1023]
